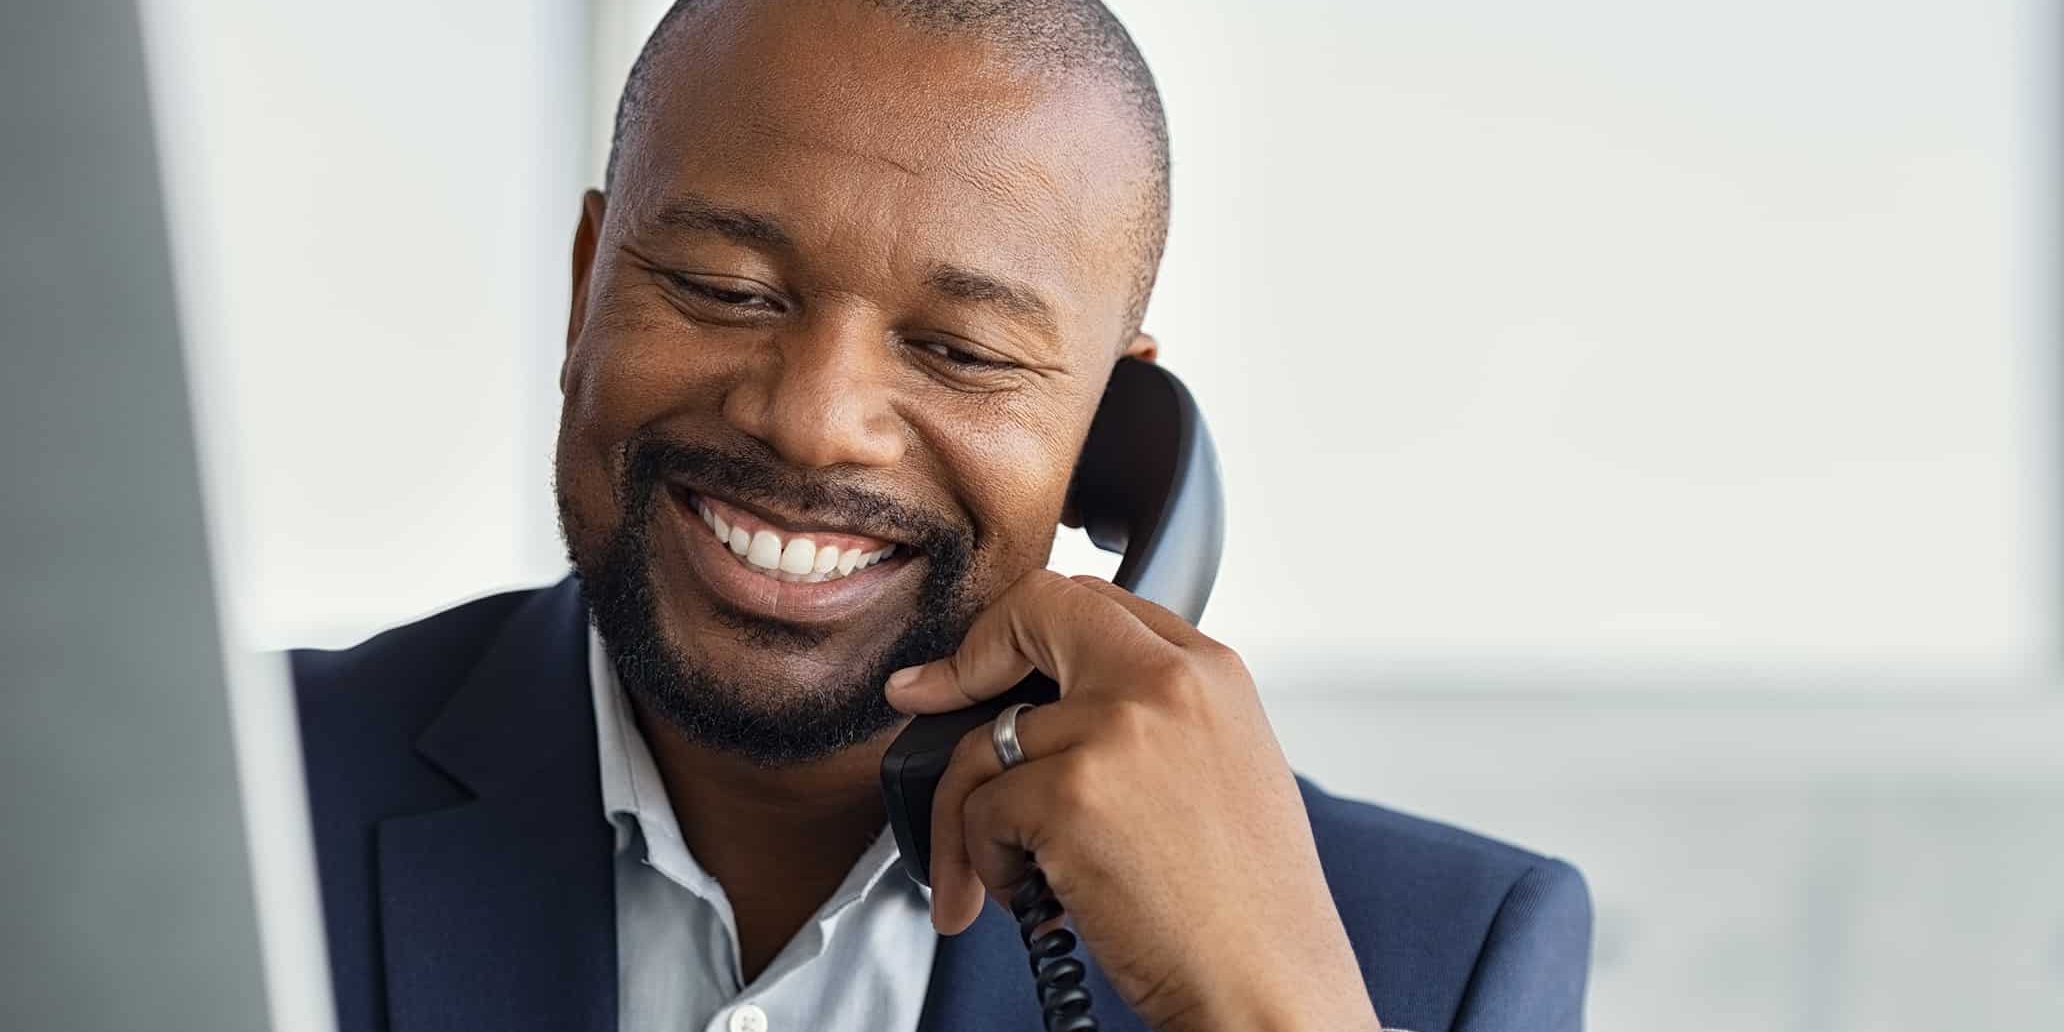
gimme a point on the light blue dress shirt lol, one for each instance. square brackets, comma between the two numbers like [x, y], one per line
[862, 962]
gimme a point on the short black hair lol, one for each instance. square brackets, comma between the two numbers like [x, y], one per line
[1074, 37]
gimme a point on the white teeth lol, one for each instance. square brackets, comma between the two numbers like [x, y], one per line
[799, 556]
[765, 550]
[797, 560]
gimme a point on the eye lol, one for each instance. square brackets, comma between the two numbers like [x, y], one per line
[729, 295]
[956, 356]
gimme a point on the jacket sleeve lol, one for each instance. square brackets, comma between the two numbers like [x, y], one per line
[1530, 976]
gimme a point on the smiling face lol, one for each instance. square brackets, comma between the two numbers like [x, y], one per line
[837, 336]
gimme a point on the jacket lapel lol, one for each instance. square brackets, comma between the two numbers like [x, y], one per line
[982, 983]
[500, 912]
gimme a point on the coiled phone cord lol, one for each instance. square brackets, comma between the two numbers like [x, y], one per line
[1057, 975]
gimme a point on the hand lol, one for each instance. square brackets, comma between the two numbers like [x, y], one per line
[1156, 801]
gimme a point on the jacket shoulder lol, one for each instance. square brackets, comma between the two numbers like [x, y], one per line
[392, 684]
[1364, 834]
[1447, 923]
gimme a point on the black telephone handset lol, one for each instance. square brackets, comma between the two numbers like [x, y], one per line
[1147, 485]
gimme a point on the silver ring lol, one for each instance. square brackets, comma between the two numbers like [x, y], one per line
[1004, 735]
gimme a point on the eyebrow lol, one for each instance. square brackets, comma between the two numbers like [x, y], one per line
[964, 284]
[703, 216]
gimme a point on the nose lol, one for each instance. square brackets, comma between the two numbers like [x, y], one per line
[819, 396]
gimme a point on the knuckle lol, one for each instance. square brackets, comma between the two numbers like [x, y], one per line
[1129, 719]
[1075, 784]
[1228, 667]
[1064, 591]
[1030, 597]
[1176, 682]
[1036, 584]
[1220, 655]
[962, 667]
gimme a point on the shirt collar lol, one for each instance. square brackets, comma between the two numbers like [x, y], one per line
[632, 794]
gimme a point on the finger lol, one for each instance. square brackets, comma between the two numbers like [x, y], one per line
[1006, 819]
[1158, 618]
[997, 820]
[1043, 732]
[1044, 621]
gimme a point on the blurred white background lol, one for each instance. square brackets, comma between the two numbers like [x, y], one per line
[1686, 371]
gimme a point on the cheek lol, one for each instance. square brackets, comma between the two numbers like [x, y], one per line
[584, 476]
[636, 362]
[630, 368]
[1014, 480]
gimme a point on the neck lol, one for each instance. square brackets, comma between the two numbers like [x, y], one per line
[779, 840]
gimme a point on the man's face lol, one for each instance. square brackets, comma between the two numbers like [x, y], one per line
[852, 303]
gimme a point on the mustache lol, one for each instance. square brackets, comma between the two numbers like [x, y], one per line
[757, 476]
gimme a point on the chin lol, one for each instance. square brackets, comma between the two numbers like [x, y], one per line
[778, 662]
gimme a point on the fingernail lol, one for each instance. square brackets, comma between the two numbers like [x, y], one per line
[902, 679]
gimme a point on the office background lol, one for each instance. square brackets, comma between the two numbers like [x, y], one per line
[1684, 374]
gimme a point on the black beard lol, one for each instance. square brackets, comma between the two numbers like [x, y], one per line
[769, 728]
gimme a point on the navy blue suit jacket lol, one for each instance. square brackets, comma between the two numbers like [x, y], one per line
[468, 884]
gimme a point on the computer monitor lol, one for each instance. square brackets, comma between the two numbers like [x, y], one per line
[133, 895]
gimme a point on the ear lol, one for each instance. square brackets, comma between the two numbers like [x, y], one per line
[1143, 347]
[586, 237]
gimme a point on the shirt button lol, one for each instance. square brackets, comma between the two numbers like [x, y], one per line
[748, 1018]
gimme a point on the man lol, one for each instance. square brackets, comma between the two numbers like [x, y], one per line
[839, 325]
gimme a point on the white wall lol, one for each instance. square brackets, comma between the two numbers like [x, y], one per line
[1685, 371]
[1622, 334]
[373, 204]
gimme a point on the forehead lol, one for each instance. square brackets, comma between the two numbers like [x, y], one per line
[897, 144]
